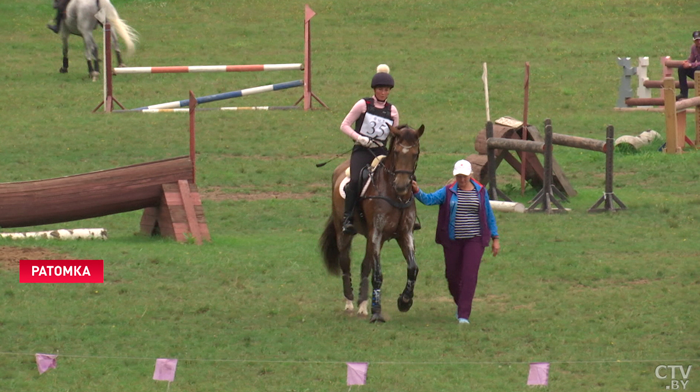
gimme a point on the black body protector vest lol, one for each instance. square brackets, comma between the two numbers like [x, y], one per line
[374, 123]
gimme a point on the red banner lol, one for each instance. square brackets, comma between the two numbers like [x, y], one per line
[61, 271]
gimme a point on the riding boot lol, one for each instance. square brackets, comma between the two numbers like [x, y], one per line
[56, 28]
[350, 199]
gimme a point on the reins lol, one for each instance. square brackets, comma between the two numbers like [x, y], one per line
[401, 205]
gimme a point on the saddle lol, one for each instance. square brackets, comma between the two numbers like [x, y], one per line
[365, 176]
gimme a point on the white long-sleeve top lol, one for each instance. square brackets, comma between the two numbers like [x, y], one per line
[357, 110]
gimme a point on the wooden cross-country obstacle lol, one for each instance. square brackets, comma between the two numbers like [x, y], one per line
[165, 189]
[307, 96]
[644, 100]
[546, 196]
[100, 193]
[510, 128]
[676, 117]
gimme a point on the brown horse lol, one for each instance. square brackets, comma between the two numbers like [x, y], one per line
[387, 210]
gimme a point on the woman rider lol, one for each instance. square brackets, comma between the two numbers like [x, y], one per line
[371, 118]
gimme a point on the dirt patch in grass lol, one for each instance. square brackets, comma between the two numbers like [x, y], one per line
[218, 194]
[10, 256]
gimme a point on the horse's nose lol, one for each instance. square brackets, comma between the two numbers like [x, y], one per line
[402, 188]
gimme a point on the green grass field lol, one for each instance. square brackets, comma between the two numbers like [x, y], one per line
[605, 298]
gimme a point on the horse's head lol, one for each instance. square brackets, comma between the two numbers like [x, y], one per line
[403, 156]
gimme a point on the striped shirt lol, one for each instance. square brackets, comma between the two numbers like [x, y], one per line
[467, 219]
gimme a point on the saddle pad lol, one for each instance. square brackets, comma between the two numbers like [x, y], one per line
[345, 181]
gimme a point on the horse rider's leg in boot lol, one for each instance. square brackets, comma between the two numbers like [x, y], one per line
[416, 224]
[350, 199]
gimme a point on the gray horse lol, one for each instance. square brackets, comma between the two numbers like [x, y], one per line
[82, 17]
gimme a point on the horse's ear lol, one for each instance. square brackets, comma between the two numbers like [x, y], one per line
[420, 130]
[394, 131]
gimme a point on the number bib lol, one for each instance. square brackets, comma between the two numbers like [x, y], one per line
[375, 127]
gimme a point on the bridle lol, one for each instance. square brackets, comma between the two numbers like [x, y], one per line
[411, 173]
[400, 204]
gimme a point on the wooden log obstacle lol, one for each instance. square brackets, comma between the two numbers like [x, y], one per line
[550, 197]
[89, 195]
[307, 96]
[165, 189]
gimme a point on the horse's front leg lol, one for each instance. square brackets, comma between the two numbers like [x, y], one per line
[365, 269]
[372, 257]
[91, 56]
[64, 39]
[406, 243]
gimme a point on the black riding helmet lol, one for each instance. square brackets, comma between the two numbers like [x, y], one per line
[382, 79]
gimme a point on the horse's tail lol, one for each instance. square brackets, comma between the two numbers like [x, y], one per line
[126, 32]
[329, 247]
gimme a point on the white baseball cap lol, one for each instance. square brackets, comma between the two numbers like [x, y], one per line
[462, 167]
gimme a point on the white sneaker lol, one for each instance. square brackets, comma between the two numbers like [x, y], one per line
[463, 321]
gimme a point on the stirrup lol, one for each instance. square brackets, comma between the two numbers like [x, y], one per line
[348, 227]
[416, 226]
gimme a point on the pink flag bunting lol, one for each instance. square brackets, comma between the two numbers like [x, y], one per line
[45, 362]
[357, 373]
[539, 373]
[165, 369]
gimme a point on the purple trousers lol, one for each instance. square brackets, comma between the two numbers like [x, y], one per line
[462, 261]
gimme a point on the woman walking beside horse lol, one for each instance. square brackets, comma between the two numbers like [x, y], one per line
[465, 227]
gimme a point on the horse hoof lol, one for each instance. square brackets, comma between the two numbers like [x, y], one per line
[404, 305]
[121, 65]
[377, 317]
[63, 70]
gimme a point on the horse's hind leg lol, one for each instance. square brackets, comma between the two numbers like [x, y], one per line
[344, 243]
[117, 51]
[405, 300]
